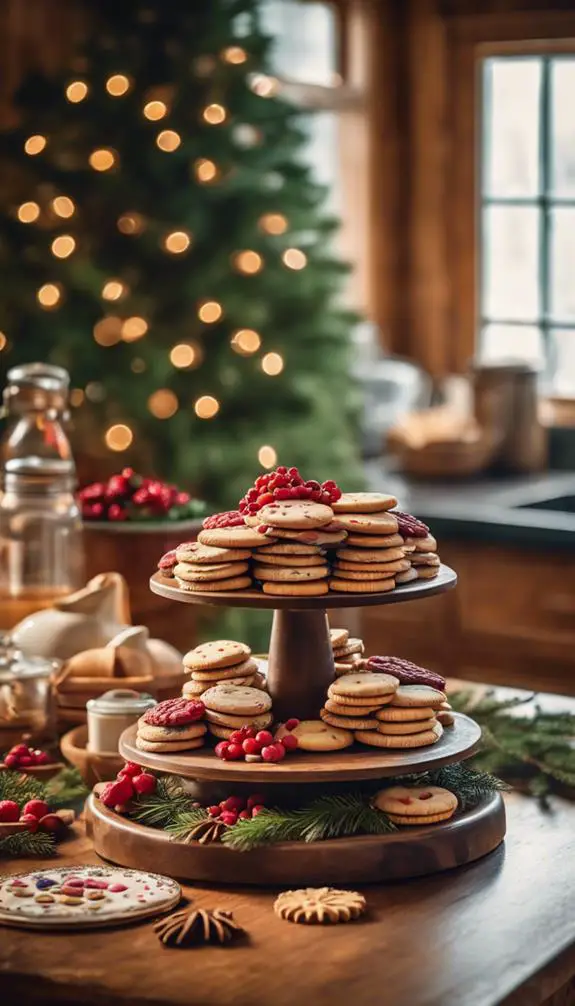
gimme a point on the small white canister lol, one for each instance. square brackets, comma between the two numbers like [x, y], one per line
[110, 714]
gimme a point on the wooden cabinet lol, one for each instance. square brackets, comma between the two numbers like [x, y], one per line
[511, 619]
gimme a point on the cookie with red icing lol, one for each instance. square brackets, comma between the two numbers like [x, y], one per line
[174, 713]
[416, 805]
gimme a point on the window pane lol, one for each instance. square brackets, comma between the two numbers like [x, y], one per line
[510, 263]
[304, 47]
[563, 352]
[321, 152]
[511, 90]
[512, 342]
[562, 271]
[563, 127]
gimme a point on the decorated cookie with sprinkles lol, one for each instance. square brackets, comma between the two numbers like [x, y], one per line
[65, 898]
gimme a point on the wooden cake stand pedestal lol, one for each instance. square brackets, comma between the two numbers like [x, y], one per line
[300, 671]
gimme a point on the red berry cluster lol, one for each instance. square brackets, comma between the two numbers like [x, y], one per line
[229, 518]
[129, 496]
[249, 744]
[130, 781]
[235, 809]
[21, 756]
[410, 526]
[35, 815]
[287, 484]
[175, 713]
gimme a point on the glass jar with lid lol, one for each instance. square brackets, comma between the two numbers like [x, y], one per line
[41, 554]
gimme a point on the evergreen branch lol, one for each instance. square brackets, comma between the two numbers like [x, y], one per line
[184, 822]
[162, 807]
[66, 788]
[270, 827]
[20, 788]
[27, 843]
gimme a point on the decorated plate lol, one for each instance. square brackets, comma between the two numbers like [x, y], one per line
[84, 897]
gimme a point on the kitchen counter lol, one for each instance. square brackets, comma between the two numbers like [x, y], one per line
[491, 509]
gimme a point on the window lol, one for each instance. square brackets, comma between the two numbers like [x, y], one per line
[527, 214]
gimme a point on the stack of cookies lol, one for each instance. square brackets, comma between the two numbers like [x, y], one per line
[230, 707]
[297, 533]
[354, 700]
[201, 567]
[347, 651]
[172, 726]
[423, 555]
[223, 661]
[373, 554]
[409, 721]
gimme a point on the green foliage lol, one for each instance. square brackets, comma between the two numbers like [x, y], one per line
[173, 52]
[161, 808]
[66, 788]
[470, 786]
[62, 790]
[534, 750]
[184, 821]
[20, 788]
[27, 843]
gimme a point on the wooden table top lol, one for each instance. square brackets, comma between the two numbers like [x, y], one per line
[499, 931]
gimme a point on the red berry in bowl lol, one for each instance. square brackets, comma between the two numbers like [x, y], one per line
[144, 783]
[37, 808]
[9, 811]
[19, 749]
[25, 761]
[43, 758]
[30, 821]
[289, 742]
[264, 737]
[51, 822]
[234, 752]
[11, 761]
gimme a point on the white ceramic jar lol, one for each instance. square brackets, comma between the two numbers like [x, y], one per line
[110, 714]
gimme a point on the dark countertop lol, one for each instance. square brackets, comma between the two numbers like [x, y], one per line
[491, 509]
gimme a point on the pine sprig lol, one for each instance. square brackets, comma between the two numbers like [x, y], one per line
[21, 788]
[27, 843]
[184, 822]
[66, 788]
[161, 808]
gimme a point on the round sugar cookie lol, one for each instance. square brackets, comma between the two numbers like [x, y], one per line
[237, 700]
[315, 735]
[319, 538]
[369, 555]
[299, 514]
[425, 559]
[185, 571]
[418, 695]
[338, 637]
[203, 586]
[216, 653]
[260, 721]
[383, 568]
[149, 732]
[222, 733]
[289, 574]
[195, 552]
[347, 649]
[411, 714]
[289, 561]
[232, 537]
[347, 700]
[358, 686]
[310, 589]
[427, 572]
[338, 709]
[247, 667]
[376, 739]
[363, 503]
[406, 726]
[286, 548]
[168, 747]
[406, 577]
[427, 544]
[193, 689]
[416, 804]
[365, 576]
[369, 523]
[361, 586]
[347, 722]
[375, 540]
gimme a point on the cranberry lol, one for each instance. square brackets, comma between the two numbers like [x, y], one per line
[305, 493]
[335, 494]
[9, 811]
[237, 737]
[312, 484]
[270, 753]
[233, 803]
[257, 809]
[11, 761]
[292, 723]
[116, 512]
[26, 760]
[281, 751]
[31, 821]
[294, 493]
[234, 752]
[281, 470]
[266, 497]
[43, 758]
[214, 810]
[244, 815]
[264, 737]
[37, 808]
[293, 472]
[229, 817]
[119, 792]
[289, 742]
[329, 484]
[282, 494]
[19, 749]
[51, 822]
[130, 768]
[251, 746]
[144, 783]
[221, 750]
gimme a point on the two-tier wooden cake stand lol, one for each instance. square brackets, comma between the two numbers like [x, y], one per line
[300, 669]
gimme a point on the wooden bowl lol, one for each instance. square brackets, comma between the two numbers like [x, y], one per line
[92, 767]
[42, 772]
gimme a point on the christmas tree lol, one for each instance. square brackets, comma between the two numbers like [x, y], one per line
[162, 239]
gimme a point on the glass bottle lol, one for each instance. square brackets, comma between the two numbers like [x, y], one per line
[41, 554]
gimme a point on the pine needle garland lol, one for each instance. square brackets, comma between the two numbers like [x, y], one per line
[27, 843]
[164, 806]
[534, 751]
[185, 821]
[20, 788]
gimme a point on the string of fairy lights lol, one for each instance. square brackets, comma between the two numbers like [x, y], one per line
[114, 328]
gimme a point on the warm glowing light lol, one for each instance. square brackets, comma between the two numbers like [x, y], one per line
[77, 397]
[28, 213]
[117, 85]
[205, 170]
[134, 328]
[113, 289]
[63, 206]
[210, 311]
[155, 110]
[131, 223]
[163, 403]
[177, 242]
[49, 295]
[294, 258]
[272, 364]
[184, 354]
[138, 365]
[63, 246]
[262, 85]
[118, 437]
[76, 91]
[108, 331]
[245, 341]
[248, 262]
[206, 407]
[3, 341]
[102, 160]
[234, 54]
[273, 223]
[168, 140]
[214, 115]
[95, 391]
[267, 456]
[35, 144]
